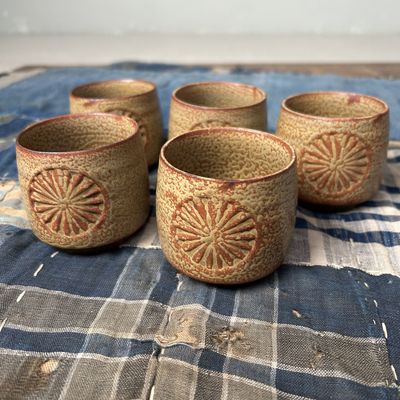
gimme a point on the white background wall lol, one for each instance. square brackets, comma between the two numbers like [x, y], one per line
[200, 16]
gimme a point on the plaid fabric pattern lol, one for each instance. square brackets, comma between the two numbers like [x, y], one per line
[122, 324]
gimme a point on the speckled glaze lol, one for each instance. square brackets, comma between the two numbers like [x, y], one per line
[341, 142]
[226, 203]
[133, 98]
[84, 179]
[217, 104]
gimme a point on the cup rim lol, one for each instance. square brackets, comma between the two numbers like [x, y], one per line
[51, 120]
[222, 130]
[221, 83]
[353, 95]
[74, 95]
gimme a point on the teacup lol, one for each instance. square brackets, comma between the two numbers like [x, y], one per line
[84, 179]
[133, 98]
[217, 104]
[226, 203]
[341, 142]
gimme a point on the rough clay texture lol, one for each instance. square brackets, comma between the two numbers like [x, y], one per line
[340, 161]
[84, 200]
[135, 101]
[219, 104]
[223, 231]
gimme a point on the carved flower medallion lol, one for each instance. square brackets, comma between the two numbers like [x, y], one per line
[129, 113]
[214, 234]
[67, 202]
[211, 123]
[335, 164]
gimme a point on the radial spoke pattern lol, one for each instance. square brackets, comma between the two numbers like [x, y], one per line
[67, 202]
[214, 234]
[335, 164]
[211, 123]
[128, 113]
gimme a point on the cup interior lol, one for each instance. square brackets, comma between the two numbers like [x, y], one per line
[77, 133]
[228, 154]
[113, 89]
[335, 105]
[219, 95]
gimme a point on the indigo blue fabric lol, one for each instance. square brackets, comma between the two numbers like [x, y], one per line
[124, 324]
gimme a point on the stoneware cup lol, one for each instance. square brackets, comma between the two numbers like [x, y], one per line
[84, 179]
[215, 104]
[133, 98]
[226, 203]
[341, 141]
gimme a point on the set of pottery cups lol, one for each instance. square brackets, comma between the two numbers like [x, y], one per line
[227, 190]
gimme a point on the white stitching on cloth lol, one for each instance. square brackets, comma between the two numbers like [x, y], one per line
[151, 397]
[2, 324]
[35, 274]
[385, 333]
[384, 330]
[394, 372]
[180, 282]
[20, 296]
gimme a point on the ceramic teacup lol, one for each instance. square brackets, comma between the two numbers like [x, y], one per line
[84, 179]
[215, 104]
[133, 98]
[226, 203]
[341, 141]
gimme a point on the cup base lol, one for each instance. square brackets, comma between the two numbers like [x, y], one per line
[334, 206]
[219, 282]
[90, 250]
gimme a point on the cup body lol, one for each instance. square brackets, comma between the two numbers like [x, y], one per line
[132, 98]
[341, 142]
[226, 203]
[83, 179]
[217, 104]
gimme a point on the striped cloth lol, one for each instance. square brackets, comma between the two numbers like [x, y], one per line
[123, 324]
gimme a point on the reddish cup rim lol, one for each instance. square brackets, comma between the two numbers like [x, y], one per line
[47, 121]
[73, 93]
[223, 130]
[175, 95]
[350, 95]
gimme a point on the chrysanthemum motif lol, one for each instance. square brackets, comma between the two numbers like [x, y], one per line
[335, 163]
[214, 234]
[129, 113]
[67, 202]
[211, 123]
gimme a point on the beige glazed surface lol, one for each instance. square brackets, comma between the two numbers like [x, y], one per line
[133, 98]
[341, 142]
[226, 203]
[217, 104]
[83, 179]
